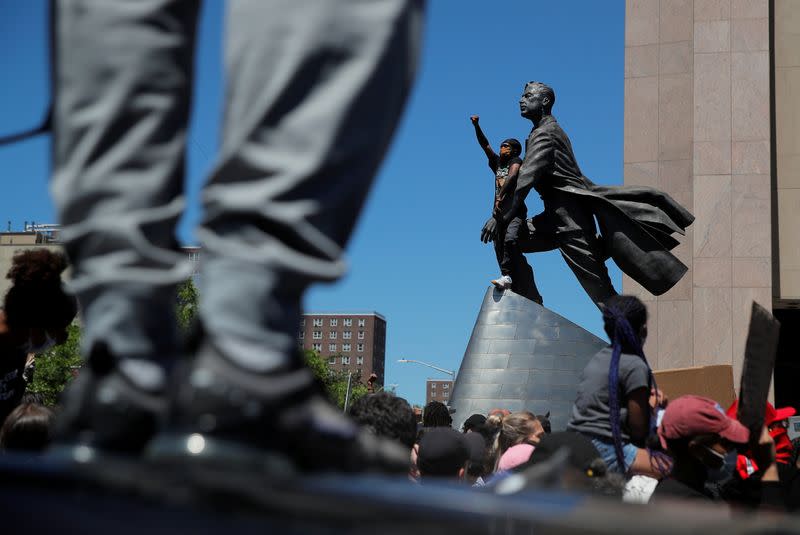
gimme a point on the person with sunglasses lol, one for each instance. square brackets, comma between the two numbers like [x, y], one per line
[504, 227]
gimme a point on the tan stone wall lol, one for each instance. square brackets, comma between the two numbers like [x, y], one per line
[697, 126]
[787, 145]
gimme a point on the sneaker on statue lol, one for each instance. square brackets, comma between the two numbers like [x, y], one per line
[503, 282]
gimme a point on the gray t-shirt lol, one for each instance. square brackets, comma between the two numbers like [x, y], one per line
[590, 414]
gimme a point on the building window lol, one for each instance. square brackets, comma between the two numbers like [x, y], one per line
[446, 386]
[331, 360]
[303, 322]
[332, 335]
[445, 394]
[317, 335]
[347, 335]
[345, 347]
[362, 322]
[317, 347]
[433, 386]
[345, 360]
[360, 335]
[360, 347]
[331, 347]
[347, 322]
[317, 322]
[333, 322]
[360, 360]
[302, 335]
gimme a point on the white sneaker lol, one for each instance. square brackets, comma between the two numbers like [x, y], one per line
[503, 282]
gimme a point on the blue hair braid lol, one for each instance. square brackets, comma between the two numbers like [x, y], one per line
[623, 335]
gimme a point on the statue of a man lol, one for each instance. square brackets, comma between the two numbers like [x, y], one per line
[635, 223]
[515, 272]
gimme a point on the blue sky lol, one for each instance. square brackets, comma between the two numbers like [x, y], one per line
[416, 256]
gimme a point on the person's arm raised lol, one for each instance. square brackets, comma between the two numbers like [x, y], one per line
[483, 142]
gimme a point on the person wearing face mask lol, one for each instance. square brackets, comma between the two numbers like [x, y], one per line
[35, 315]
[776, 421]
[740, 488]
[702, 441]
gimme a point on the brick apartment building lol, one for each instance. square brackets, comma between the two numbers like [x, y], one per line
[354, 342]
[438, 390]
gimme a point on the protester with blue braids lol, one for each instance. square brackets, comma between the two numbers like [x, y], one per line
[617, 392]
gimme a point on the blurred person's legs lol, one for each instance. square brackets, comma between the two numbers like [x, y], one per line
[122, 90]
[315, 92]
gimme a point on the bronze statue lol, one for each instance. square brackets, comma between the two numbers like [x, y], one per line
[515, 272]
[636, 223]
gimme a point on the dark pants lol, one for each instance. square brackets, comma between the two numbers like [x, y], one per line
[512, 262]
[567, 224]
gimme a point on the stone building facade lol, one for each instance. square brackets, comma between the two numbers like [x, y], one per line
[712, 116]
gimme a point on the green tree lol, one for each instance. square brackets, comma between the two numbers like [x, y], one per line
[56, 367]
[335, 383]
[186, 304]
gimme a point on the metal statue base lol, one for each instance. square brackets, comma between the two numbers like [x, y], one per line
[521, 356]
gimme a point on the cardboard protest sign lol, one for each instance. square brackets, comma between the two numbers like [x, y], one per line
[759, 363]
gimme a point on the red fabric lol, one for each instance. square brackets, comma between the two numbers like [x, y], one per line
[771, 414]
[783, 446]
[745, 466]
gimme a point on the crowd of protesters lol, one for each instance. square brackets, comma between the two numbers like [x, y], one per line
[621, 428]
[35, 315]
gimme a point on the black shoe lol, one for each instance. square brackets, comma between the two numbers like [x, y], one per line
[230, 417]
[105, 413]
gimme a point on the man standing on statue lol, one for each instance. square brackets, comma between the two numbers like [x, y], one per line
[515, 272]
[636, 223]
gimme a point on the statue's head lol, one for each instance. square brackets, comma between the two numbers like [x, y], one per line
[537, 100]
[510, 147]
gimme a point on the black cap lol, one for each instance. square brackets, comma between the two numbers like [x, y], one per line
[476, 446]
[515, 145]
[473, 421]
[442, 452]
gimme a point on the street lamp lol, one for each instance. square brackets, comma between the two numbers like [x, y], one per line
[392, 388]
[451, 373]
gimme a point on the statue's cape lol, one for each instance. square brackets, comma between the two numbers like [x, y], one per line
[636, 227]
[637, 223]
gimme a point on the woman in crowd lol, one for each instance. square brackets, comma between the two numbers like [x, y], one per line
[519, 434]
[617, 394]
[35, 316]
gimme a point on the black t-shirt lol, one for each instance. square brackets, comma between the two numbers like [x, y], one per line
[12, 384]
[503, 188]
